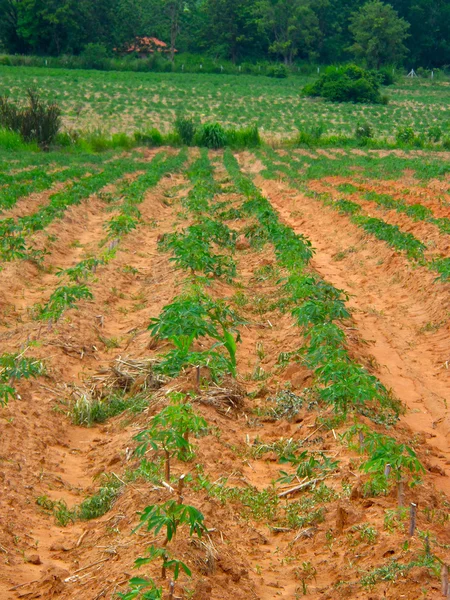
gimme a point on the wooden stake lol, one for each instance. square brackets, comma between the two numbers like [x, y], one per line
[412, 518]
[167, 466]
[180, 489]
[198, 380]
[171, 590]
[163, 568]
[186, 439]
[444, 580]
[387, 470]
[400, 493]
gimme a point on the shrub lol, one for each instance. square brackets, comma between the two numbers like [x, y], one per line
[386, 76]
[152, 137]
[363, 131]
[186, 129]
[95, 56]
[407, 136]
[37, 122]
[311, 135]
[446, 143]
[277, 71]
[11, 140]
[349, 83]
[212, 135]
[434, 134]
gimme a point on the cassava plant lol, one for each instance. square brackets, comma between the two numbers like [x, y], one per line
[169, 517]
[196, 315]
[16, 366]
[170, 431]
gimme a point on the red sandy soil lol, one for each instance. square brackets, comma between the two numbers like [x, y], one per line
[43, 453]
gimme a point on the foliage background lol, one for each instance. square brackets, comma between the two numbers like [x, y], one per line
[239, 30]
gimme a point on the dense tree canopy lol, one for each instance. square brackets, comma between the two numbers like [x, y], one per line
[379, 34]
[413, 31]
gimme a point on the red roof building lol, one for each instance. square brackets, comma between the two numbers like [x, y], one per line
[143, 46]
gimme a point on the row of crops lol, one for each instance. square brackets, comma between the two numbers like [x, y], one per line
[195, 319]
[404, 242]
[200, 330]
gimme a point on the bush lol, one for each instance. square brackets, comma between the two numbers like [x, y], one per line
[446, 143]
[186, 129]
[278, 71]
[95, 56]
[152, 137]
[212, 135]
[434, 134]
[405, 135]
[310, 136]
[386, 76]
[363, 131]
[38, 122]
[349, 83]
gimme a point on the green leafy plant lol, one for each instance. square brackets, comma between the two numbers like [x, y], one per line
[82, 271]
[186, 129]
[212, 135]
[38, 121]
[142, 589]
[388, 458]
[307, 465]
[63, 298]
[16, 366]
[169, 431]
[197, 315]
[169, 517]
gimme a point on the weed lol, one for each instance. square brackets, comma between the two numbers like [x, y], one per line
[101, 502]
[38, 122]
[212, 135]
[87, 410]
[186, 129]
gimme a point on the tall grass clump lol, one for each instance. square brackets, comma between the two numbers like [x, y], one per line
[245, 137]
[212, 135]
[186, 128]
[11, 140]
[36, 121]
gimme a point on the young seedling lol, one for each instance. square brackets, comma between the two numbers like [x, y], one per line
[169, 517]
[16, 366]
[170, 431]
[401, 459]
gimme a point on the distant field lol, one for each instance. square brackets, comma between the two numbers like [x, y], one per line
[117, 101]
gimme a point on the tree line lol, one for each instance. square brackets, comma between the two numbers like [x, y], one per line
[411, 32]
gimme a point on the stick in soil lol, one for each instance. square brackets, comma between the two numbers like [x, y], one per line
[172, 590]
[412, 519]
[167, 466]
[400, 493]
[361, 439]
[444, 580]
[198, 380]
[180, 489]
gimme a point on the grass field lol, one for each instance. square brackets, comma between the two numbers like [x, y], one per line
[124, 102]
[245, 354]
